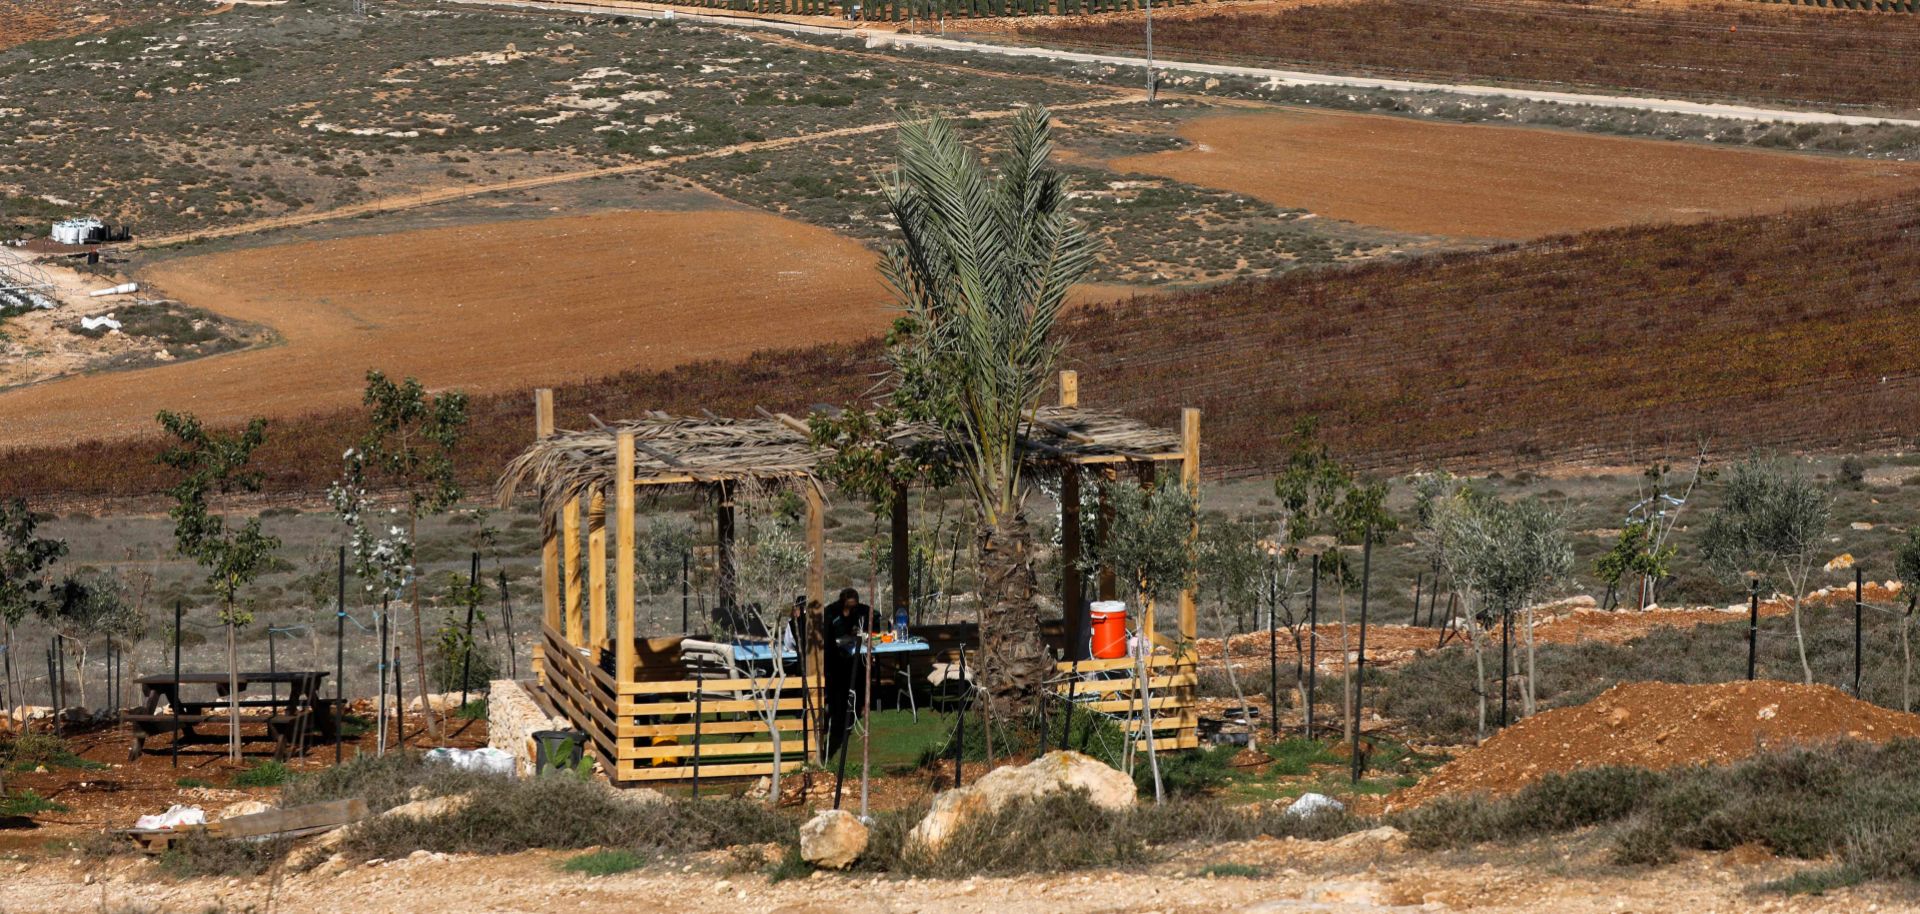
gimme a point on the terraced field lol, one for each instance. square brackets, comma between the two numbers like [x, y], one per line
[1720, 50]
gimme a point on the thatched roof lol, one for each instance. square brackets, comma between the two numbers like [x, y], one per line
[667, 451]
[679, 450]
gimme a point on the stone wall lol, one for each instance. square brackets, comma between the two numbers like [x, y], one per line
[512, 718]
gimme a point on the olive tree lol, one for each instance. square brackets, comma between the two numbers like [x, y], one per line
[24, 560]
[1769, 526]
[1503, 555]
[88, 605]
[1906, 570]
[1326, 504]
[1150, 549]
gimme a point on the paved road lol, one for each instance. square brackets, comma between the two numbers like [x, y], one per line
[879, 36]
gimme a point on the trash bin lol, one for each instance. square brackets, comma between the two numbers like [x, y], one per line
[559, 750]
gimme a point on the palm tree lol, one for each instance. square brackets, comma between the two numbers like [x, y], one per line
[982, 269]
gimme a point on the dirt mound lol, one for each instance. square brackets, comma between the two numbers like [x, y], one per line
[1661, 725]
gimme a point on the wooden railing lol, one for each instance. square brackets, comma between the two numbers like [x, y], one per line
[1171, 684]
[661, 730]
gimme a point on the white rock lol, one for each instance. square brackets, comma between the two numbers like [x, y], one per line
[833, 839]
[244, 808]
[1056, 771]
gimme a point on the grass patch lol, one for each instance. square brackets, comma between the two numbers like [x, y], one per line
[192, 782]
[27, 803]
[1231, 871]
[473, 710]
[28, 751]
[265, 774]
[1816, 882]
[604, 862]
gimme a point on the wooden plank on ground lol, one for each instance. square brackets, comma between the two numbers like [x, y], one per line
[298, 818]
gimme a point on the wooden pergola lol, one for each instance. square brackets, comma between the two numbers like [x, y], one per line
[631, 694]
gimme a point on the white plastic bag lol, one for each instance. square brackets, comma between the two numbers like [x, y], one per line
[486, 761]
[176, 816]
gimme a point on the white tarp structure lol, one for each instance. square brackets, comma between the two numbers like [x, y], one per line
[78, 231]
[95, 323]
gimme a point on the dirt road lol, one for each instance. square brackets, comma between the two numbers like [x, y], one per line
[1296, 876]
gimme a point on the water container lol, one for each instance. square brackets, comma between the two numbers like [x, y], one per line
[900, 624]
[1109, 629]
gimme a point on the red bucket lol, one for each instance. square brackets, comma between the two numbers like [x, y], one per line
[1109, 629]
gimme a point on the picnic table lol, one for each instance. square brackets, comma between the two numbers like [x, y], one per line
[289, 719]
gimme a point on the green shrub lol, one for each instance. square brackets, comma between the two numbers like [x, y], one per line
[1231, 870]
[604, 862]
[26, 803]
[200, 855]
[1187, 773]
[264, 774]
[30, 750]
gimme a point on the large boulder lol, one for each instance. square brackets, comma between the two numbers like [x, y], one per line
[833, 839]
[1054, 772]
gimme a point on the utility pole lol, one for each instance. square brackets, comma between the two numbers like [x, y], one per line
[1153, 85]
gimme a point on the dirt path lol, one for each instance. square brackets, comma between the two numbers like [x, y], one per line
[1499, 182]
[1298, 876]
[448, 194]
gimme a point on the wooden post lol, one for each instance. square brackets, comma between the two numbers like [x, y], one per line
[902, 557]
[1190, 478]
[549, 546]
[1103, 526]
[1073, 604]
[597, 575]
[570, 556]
[723, 536]
[816, 600]
[623, 577]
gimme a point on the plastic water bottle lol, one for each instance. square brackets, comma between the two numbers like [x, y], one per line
[900, 624]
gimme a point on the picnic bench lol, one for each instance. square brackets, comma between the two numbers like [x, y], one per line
[290, 719]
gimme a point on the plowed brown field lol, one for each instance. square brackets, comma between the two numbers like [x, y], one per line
[1498, 182]
[490, 307]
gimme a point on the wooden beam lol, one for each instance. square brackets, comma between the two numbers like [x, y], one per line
[1190, 478]
[1069, 389]
[597, 574]
[570, 562]
[623, 567]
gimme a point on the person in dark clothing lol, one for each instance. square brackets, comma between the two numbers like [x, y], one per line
[846, 621]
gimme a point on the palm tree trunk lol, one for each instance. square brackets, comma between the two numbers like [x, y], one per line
[1014, 666]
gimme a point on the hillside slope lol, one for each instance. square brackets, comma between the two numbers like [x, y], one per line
[1792, 331]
